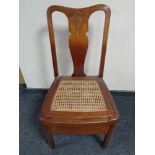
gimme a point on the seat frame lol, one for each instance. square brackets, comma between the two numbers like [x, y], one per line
[60, 122]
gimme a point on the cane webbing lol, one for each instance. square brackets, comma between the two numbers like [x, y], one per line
[78, 96]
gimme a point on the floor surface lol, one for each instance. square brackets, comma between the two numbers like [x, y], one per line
[33, 142]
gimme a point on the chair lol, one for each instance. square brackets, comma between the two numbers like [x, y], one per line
[78, 104]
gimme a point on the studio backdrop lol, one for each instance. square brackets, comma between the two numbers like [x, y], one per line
[35, 54]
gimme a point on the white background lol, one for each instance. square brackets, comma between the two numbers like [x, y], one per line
[35, 54]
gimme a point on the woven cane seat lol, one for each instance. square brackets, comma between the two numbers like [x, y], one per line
[78, 96]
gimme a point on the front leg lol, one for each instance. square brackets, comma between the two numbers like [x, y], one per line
[107, 136]
[50, 139]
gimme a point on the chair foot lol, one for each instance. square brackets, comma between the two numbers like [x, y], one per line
[105, 142]
[50, 139]
[107, 137]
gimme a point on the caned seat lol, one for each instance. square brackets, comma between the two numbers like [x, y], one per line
[78, 95]
[78, 98]
[78, 104]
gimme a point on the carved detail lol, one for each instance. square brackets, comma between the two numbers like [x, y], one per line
[76, 23]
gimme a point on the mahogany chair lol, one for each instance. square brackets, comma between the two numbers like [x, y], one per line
[78, 104]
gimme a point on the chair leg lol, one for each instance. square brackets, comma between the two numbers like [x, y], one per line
[50, 139]
[107, 137]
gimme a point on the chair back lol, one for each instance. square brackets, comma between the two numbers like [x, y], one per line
[78, 40]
